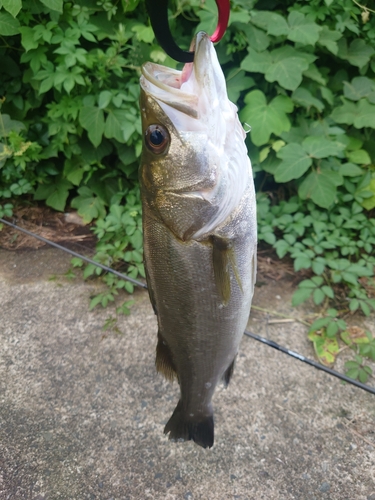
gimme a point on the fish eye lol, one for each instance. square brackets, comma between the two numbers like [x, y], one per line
[157, 138]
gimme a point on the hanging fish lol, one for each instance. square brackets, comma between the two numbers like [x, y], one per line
[199, 229]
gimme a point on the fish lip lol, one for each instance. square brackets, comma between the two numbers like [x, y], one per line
[201, 45]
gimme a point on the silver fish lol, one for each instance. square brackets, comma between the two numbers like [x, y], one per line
[199, 227]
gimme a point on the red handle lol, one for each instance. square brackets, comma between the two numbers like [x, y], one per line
[223, 7]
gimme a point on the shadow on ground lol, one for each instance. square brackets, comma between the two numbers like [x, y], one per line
[82, 411]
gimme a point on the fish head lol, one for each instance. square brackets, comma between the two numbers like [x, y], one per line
[194, 157]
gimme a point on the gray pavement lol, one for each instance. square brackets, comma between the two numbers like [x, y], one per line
[82, 410]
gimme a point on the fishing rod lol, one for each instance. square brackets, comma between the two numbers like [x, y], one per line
[269, 343]
[75, 254]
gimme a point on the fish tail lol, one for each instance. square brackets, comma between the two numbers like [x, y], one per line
[183, 427]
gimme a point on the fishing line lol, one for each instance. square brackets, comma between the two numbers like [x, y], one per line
[265, 341]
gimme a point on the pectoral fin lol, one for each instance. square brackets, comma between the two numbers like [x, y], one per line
[224, 258]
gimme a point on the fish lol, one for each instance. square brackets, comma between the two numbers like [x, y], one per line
[199, 231]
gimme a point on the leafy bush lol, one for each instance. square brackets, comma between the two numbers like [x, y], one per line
[303, 75]
[70, 123]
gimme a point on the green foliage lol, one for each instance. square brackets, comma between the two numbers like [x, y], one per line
[70, 125]
[357, 370]
[119, 243]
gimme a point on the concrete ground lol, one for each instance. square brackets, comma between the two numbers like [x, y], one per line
[82, 410]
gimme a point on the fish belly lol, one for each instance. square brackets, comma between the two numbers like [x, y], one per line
[198, 334]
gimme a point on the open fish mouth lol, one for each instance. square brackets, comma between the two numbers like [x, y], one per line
[192, 90]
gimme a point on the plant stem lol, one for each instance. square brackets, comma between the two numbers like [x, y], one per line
[275, 313]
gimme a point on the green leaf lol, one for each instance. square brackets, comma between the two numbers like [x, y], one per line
[327, 95]
[350, 170]
[366, 114]
[360, 156]
[27, 38]
[54, 194]
[360, 86]
[95, 301]
[318, 267]
[8, 24]
[257, 39]
[144, 33]
[7, 125]
[328, 291]
[56, 5]
[320, 147]
[284, 65]
[295, 163]
[287, 67]
[282, 248]
[305, 98]
[352, 373]
[76, 262]
[104, 99]
[239, 16]
[256, 62]
[319, 323]
[129, 287]
[118, 126]
[302, 262]
[332, 329]
[273, 23]
[264, 118]
[313, 73]
[92, 119]
[302, 29]
[369, 203]
[208, 16]
[319, 187]
[12, 6]
[301, 295]
[328, 39]
[363, 375]
[269, 238]
[129, 5]
[360, 114]
[358, 53]
[345, 113]
[318, 296]
[325, 348]
[73, 171]
[237, 83]
[89, 206]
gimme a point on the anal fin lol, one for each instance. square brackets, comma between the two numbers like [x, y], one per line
[164, 360]
[229, 372]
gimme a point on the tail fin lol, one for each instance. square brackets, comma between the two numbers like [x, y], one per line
[182, 427]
